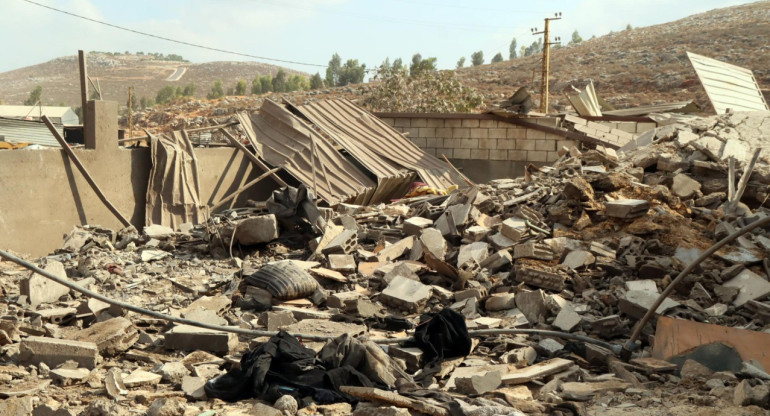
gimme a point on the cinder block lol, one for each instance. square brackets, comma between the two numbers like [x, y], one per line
[537, 156]
[566, 143]
[479, 154]
[451, 143]
[462, 153]
[497, 133]
[488, 124]
[434, 142]
[600, 126]
[36, 350]
[627, 126]
[187, 338]
[389, 121]
[547, 145]
[471, 123]
[414, 132]
[506, 144]
[548, 121]
[435, 122]
[403, 122]
[519, 155]
[487, 143]
[449, 153]
[525, 144]
[431, 150]
[479, 133]
[642, 127]
[444, 132]
[515, 132]
[553, 156]
[498, 154]
[553, 136]
[533, 134]
[453, 122]
[469, 143]
[419, 122]
[461, 133]
[420, 141]
[427, 132]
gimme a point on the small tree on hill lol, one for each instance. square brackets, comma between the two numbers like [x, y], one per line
[217, 90]
[576, 38]
[333, 71]
[267, 83]
[512, 49]
[461, 62]
[419, 65]
[189, 90]
[352, 73]
[316, 82]
[477, 58]
[279, 81]
[256, 86]
[497, 58]
[240, 87]
[165, 95]
[34, 96]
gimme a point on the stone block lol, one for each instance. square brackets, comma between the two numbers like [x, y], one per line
[488, 124]
[547, 145]
[257, 230]
[487, 143]
[52, 352]
[517, 155]
[462, 154]
[275, 320]
[112, 336]
[481, 154]
[537, 156]
[435, 122]
[461, 133]
[427, 132]
[684, 186]
[186, 338]
[477, 251]
[472, 143]
[345, 243]
[515, 133]
[410, 355]
[418, 122]
[344, 263]
[497, 133]
[39, 289]
[498, 154]
[406, 293]
[626, 208]
[471, 123]
[533, 134]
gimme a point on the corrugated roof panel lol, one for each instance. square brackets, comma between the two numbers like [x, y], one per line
[27, 131]
[371, 133]
[282, 139]
[728, 86]
[65, 115]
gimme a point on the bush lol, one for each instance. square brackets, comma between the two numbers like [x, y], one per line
[217, 90]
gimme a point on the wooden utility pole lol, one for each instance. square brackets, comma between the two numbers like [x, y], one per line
[546, 60]
[83, 86]
[130, 112]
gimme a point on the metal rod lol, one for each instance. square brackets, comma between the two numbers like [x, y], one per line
[86, 175]
[243, 188]
[651, 311]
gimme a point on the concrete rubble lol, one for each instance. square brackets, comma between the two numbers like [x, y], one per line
[584, 247]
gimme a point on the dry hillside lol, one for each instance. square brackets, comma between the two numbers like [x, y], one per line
[115, 73]
[646, 65]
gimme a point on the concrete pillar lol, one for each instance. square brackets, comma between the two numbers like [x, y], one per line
[101, 125]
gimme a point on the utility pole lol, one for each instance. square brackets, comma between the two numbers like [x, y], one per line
[546, 60]
[130, 112]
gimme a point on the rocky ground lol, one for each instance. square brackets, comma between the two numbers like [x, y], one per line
[582, 247]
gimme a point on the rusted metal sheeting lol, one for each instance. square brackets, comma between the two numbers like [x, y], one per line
[283, 139]
[728, 86]
[377, 139]
[173, 192]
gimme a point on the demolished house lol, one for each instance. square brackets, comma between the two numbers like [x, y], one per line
[628, 275]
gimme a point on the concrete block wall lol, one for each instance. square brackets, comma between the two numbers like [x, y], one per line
[480, 137]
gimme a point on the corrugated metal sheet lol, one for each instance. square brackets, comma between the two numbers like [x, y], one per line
[684, 107]
[27, 131]
[371, 134]
[728, 86]
[283, 139]
[585, 102]
[63, 115]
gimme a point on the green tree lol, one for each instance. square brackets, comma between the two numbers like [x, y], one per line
[497, 58]
[316, 82]
[240, 87]
[297, 83]
[142, 103]
[419, 65]
[535, 47]
[179, 92]
[351, 73]
[256, 86]
[461, 62]
[629, 27]
[267, 83]
[397, 63]
[512, 50]
[189, 90]
[576, 38]
[333, 71]
[165, 95]
[477, 58]
[217, 90]
[279, 81]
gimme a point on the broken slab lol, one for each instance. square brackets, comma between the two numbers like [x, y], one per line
[406, 293]
[567, 319]
[750, 286]
[112, 336]
[141, 378]
[413, 226]
[514, 229]
[432, 240]
[344, 263]
[533, 305]
[584, 391]
[40, 289]
[684, 186]
[536, 371]
[626, 208]
[478, 251]
[188, 338]
[578, 259]
[478, 383]
[52, 352]
[500, 302]
[635, 303]
[500, 242]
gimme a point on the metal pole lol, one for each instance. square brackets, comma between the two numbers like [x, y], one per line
[544, 88]
[130, 113]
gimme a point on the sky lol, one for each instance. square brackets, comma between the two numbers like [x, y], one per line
[310, 31]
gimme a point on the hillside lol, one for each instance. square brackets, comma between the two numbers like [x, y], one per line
[644, 65]
[115, 73]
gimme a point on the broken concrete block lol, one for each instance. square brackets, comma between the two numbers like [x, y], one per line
[344, 243]
[487, 323]
[39, 289]
[477, 251]
[601, 250]
[396, 249]
[717, 309]
[514, 229]
[193, 387]
[141, 378]
[173, 372]
[636, 303]
[113, 384]
[533, 250]
[112, 336]
[544, 276]
[413, 226]
[497, 261]
[578, 189]
[500, 242]
[406, 293]
[257, 230]
[734, 148]
[52, 352]
[69, 376]
[401, 269]
[410, 355]
[158, 231]
[500, 302]
[275, 320]
[524, 356]
[479, 383]
[186, 338]
[567, 319]
[693, 370]
[476, 233]
[344, 263]
[645, 285]
[750, 286]
[584, 391]
[626, 208]
[578, 259]
[432, 240]
[533, 305]
[684, 186]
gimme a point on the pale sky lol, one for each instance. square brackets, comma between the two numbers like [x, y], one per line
[311, 31]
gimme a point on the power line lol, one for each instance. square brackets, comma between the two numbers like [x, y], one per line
[174, 40]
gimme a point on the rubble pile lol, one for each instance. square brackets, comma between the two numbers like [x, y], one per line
[580, 250]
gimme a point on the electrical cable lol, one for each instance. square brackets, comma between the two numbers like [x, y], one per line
[257, 333]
